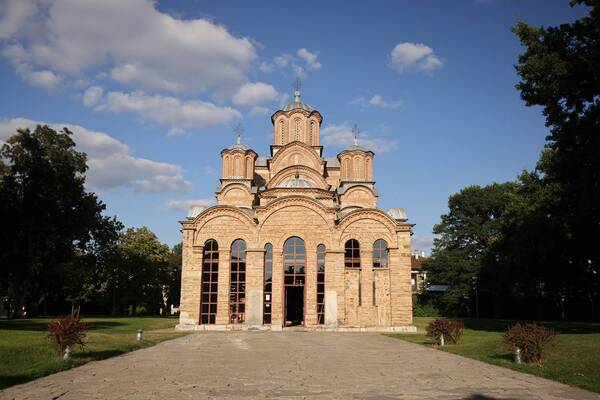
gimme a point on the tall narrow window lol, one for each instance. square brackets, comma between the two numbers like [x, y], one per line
[282, 131]
[294, 276]
[321, 284]
[380, 254]
[297, 129]
[237, 292]
[268, 284]
[312, 133]
[352, 254]
[209, 285]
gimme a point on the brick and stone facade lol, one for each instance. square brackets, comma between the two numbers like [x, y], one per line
[252, 260]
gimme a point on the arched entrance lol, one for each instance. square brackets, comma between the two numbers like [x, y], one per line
[294, 277]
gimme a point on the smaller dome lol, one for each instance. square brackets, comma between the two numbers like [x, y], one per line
[297, 103]
[297, 183]
[239, 145]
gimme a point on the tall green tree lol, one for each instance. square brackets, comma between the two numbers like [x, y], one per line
[49, 220]
[139, 272]
[466, 234]
[173, 282]
[560, 72]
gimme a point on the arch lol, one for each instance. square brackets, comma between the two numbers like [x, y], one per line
[297, 129]
[368, 213]
[268, 284]
[237, 170]
[237, 282]
[356, 163]
[213, 213]
[209, 282]
[352, 254]
[294, 279]
[266, 214]
[311, 133]
[359, 195]
[313, 160]
[380, 254]
[346, 168]
[289, 172]
[321, 253]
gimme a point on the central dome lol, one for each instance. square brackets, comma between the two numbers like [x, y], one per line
[297, 103]
[297, 183]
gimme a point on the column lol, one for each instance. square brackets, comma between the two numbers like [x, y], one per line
[310, 287]
[366, 310]
[191, 270]
[400, 286]
[223, 296]
[277, 301]
[254, 286]
[334, 287]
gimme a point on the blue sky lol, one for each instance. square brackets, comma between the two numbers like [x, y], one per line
[153, 90]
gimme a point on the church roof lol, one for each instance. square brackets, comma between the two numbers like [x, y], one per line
[297, 183]
[332, 162]
[297, 103]
[239, 145]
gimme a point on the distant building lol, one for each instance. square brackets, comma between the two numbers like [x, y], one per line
[418, 276]
[296, 238]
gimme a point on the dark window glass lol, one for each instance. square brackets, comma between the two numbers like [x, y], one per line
[237, 293]
[352, 254]
[321, 284]
[380, 254]
[209, 284]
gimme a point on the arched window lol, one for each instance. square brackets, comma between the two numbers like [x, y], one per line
[352, 254]
[297, 129]
[311, 130]
[268, 284]
[237, 292]
[321, 284]
[209, 285]
[346, 169]
[380, 254]
[294, 265]
[282, 131]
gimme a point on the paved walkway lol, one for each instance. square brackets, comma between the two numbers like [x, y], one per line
[291, 365]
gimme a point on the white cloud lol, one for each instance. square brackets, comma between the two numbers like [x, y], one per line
[298, 65]
[265, 67]
[376, 101]
[422, 243]
[415, 56]
[132, 41]
[342, 136]
[254, 93]
[92, 96]
[14, 14]
[258, 111]
[309, 58]
[110, 162]
[169, 110]
[17, 56]
[184, 205]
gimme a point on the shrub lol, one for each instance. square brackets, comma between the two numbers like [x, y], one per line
[423, 307]
[451, 329]
[530, 339]
[67, 332]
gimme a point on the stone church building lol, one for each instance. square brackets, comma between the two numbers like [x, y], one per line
[296, 239]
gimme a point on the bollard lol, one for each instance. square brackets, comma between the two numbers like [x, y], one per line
[518, 355]
[140, 334]
[67, 353]
[442, 340]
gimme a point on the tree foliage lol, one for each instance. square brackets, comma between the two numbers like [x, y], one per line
[52, 230]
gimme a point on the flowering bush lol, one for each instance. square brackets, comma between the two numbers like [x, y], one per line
[530, 339]
[67, 332]
[451, 329]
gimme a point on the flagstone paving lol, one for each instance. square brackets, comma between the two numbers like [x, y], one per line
[291, 365]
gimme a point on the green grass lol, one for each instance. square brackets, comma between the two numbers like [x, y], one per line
[573, 357]
[27, 353]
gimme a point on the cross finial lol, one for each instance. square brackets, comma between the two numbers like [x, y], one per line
[356, 132]
[239, 129]
[297, 86]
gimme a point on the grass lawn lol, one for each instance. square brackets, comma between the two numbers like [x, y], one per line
[573, 357]
[26, 352]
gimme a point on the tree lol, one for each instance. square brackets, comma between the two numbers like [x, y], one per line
[559, 72]
[466, 234]
[174, 276]
[138, 273]
[49, 221]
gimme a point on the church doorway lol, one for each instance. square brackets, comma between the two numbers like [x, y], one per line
[294, 266]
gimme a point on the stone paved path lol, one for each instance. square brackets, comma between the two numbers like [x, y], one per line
[291, 365]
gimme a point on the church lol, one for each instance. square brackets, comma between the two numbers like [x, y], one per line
[296, 239]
